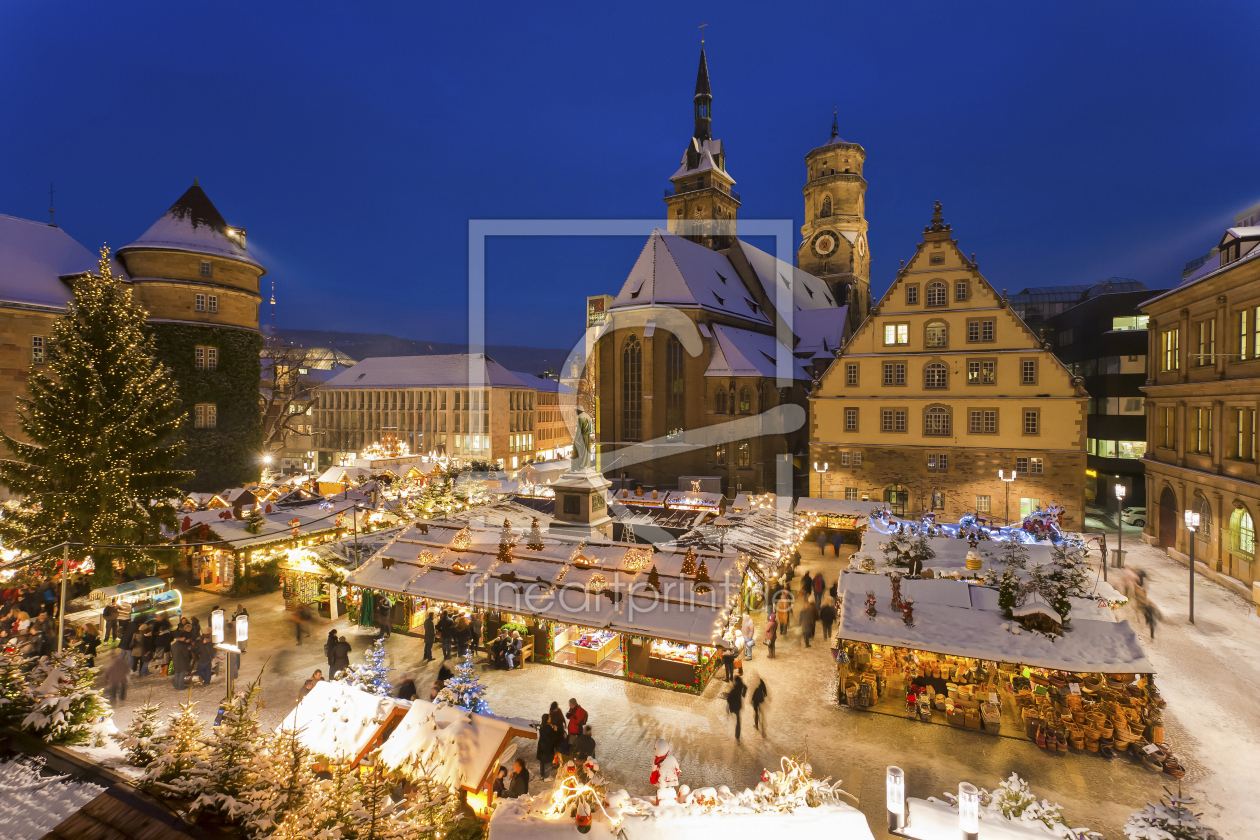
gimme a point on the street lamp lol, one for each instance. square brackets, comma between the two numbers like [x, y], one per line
[969, 811]
[216, 627]
[1192, 525]
[1119, 529]
[721, 523]
[895, 787]
[1007, 481]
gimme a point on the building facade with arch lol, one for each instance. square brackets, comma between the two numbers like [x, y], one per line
[1202, 395]
[939, 388]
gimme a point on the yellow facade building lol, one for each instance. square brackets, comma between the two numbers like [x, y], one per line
[940, 388]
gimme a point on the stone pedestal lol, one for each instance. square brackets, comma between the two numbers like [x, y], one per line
[581, 506]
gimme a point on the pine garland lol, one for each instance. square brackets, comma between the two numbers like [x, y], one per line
[101, 417]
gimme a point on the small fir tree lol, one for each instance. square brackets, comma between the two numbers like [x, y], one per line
[290, 769]
[330, 813]
[139, 740]
[1168, 819]
[1013, 557]
[100, 430]
[535, 540]
[254, 522]
[174, 773]
[233, 770]
[14, 701]
[64, 701]
[689, 562]
[654, 579]
[370, 676]
[702, 579]
[464, 690]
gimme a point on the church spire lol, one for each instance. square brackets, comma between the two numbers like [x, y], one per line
[703, 101]
[835, 124]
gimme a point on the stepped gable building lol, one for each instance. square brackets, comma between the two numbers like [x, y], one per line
[701, 361]
[941, 387]
[200, 285]
[833, 238]
[1202, 395]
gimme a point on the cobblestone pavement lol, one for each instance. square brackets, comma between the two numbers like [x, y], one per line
[627, 718]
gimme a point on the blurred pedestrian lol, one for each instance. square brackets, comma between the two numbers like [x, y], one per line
[429, 633]
[822, 542]
[818, 588]
[772, 632]
[735, 701]
[116, 678]
[728, 659]
[749, 630]
[759, 696]
[836, 540]
[827, 615]
[808, 620]
[783, 612]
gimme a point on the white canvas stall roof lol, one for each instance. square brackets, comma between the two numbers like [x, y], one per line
[757, 533]
[337, 721]
[951, 553]
[1088, 647]
[454, 747]
[543, 470]
[338, 475]
[745, 353]
[836, 507]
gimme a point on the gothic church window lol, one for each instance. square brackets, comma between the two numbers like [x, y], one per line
[632, 389]
[675, 386]
[720, 402]
[745, 401]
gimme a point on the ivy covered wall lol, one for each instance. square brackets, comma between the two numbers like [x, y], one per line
[227, 455]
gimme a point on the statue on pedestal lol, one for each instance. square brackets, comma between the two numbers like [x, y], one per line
[583, 443]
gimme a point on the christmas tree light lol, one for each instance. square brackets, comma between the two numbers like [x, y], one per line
[370, 676]
[464, 689]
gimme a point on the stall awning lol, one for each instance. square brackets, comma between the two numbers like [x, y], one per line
[337, 721]
[945, 623]
[836, 507]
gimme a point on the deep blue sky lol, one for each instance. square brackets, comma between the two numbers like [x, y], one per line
[1069, 142]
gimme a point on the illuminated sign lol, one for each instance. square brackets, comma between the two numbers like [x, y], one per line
[1092, 473]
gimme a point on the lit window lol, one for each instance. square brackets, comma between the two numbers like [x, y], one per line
[1244, 533]
[1034, 466]
[745, 454]
[938, 500]
[37, 349]
[896, 333]
[1171, 346]
[937, 334]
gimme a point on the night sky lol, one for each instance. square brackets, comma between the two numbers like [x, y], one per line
[1069, 142]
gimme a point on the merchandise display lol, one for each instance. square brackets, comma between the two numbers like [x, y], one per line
[691, 654]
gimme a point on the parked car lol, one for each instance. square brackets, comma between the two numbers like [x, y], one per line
[1135, 516]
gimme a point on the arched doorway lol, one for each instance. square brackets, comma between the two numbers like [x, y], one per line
[1167, 518]
[896, 496]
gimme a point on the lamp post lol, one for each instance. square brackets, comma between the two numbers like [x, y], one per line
[1119, 528]
[1192, 525]
[721, 523]
[969, 811]
[895, 786]
[1007, 482]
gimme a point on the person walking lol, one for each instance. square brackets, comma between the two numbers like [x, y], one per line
[577, 719]
[546, 751]
[822, 542]
[205, 658]
[340, 657]
[818, 589]
[329, 644]
[808, 620]
[836, 540]
[735, 701]
[807, 586]
[89, 643]
[181, 659]
[474, 637]
[446, 631]
[110, 615]
[772, 631]
[116, 677]
[827, 615]
[759, 696]
[728, 659]
[429, 632]
[783, 612]
[301, 617]
[749, 631]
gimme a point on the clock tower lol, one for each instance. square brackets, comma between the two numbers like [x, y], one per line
[833, 239]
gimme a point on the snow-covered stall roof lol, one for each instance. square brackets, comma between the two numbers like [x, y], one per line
[338, 722]
[759, 533]
[943, 623]
[590, 583]
[951, 552]
[34, 804]
[452, 746]
[835, 507]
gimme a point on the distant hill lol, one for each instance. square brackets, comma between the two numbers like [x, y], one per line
[368, 345]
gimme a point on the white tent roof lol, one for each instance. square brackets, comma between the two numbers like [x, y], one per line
[944, 624]
[337, 721]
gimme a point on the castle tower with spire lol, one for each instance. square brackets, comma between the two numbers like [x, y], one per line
[834, 246]
[702, 205]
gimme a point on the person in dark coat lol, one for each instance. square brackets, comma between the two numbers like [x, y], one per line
[339, 658]
[583, 745]
[735, 701]
[329, 644]
[429, 633]
[474, 640]
[822, 542]
[836, 540]
[827, 615]
[443, 674]
[181, 662]
[728, 660]
[560, 726]
[383, 619]
[446, 632]
[807, 585]
[116, 677]
[110, 615]
[519, 783]
[772, 633]
[546, 751]
[759, 696]
[808, 620]
[818, 588]
[205, 657]
[407, 689]
[500, 783]
[124, 640]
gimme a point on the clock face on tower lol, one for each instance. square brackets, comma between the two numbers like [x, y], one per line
[825, 243]
[861, 245]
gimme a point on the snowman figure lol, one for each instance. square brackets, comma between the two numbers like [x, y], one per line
[665, 773]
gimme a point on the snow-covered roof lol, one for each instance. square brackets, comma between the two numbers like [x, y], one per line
[455, 370]
[708, 152]
[808, 292]
[454, 747]
[542, 383]
[339, 474]
[819, 330]
[337, 721]
[739, 352]
[34, 257]
[673, 270]
[34, 803]
[944, 623]
[835, 507]
[195, 225]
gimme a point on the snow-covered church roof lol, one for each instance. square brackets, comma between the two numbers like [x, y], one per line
[194, 224]
[739, 352]
[674, 270]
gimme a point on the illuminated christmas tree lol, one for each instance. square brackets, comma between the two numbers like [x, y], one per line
[370, 676]
[235, 781]
[464, 689]
[181, 753]
[139, 740]
[102, 421]
[689, 562]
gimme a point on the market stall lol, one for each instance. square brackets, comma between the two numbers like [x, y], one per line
[340, 723]
[592, 604]
[305, 582]
[849, 518]
[943, 651]
[147, 596]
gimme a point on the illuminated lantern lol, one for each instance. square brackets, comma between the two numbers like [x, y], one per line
[216, 627]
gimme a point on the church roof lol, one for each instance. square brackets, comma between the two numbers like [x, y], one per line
[702, 77]
[739, 352]
[674, 270]
[36, 259]
[808, 292]
[707, 150]
[193, 224]
[819, 331]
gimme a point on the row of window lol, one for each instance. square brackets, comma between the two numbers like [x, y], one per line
[206, 358]
[937, 293]
[1245, 344]
[936, 374]
[898, 499]
[520, 443]
[937, 421]
[936, 333]
[1131, 450]
[205, 303]
[475, 400]
[1239, 431]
